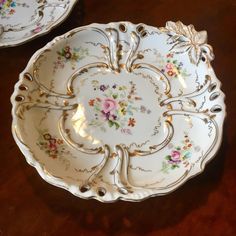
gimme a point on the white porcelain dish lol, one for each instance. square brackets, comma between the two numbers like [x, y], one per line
[120, 111]
[21, 21]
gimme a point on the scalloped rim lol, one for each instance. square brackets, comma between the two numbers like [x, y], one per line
[74, 189]
[43, 32]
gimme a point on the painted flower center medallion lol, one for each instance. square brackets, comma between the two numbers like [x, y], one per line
[116, 107]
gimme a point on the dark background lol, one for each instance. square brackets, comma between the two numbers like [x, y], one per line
[205, 205]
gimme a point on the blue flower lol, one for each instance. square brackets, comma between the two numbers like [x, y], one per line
[13, 4]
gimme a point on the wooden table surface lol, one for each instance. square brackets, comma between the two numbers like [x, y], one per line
[205, 205]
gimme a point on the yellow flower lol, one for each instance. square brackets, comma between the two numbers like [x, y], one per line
[123, 104]
[122, 111]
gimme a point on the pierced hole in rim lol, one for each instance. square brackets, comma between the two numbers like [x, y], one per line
[143, 33]
[101, 192]
[139, 28]
[214, 96]
[203, 59]
[122, 28]
[23, 87]
[19, 98]
[84, 188]
[28, 77]
[216, 109]
[212, 87]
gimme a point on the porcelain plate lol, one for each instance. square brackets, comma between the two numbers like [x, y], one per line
[120, 110]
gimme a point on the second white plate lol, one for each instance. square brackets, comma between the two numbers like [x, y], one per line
[21, 21]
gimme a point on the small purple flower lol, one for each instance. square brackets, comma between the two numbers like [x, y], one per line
[174, 162]
[126, 131]
[106, 115]
[103, 87]
[114, 117]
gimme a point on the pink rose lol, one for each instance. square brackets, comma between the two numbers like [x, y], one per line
[169, 66]
[175, 155]
[109, 105]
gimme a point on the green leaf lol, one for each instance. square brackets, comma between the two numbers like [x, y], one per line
[174, 166]
[115, 96]
[165, 167]
[61, 53]
[168, 157]
[117, 125]
[96, 108]
[110, 123]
